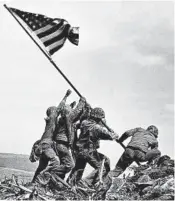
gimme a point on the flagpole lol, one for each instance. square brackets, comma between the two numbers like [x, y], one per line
[46, 54]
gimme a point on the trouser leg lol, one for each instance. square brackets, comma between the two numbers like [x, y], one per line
[125, 161]
[66, 160]
[50, 156]
[152, 155]
[106, 163]
[95, 161]
[92, 177]
[43, 162]
[77, 172]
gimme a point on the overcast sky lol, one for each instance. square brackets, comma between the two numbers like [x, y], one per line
[124, 64]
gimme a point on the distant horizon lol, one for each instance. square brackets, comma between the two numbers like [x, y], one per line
[14, 153]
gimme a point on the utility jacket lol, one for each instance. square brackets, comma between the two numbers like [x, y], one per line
[141, 139]
[91, 134]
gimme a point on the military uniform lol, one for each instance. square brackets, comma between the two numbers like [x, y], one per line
[64, 138]
[87, 144]
[48, 159]
[47, 152]
[91, 179]
[142, 147]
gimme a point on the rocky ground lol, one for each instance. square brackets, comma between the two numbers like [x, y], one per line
[154, 182]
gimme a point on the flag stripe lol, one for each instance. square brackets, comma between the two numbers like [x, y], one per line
[49, 31]
[62, 35]
[52, 32]
[48, 37]
[53, 40]
[57, 43]
[55, 49]
[43, 29]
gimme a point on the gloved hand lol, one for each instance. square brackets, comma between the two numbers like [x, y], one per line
[73, 104]
[114, 136]
[120, 140]
[112, 130]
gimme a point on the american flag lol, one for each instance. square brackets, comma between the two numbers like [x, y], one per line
[51, 32]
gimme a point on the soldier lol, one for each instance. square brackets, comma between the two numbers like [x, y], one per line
[43, 149]
[90, 179]
[64, 136]
[91, 133]
[142, 147]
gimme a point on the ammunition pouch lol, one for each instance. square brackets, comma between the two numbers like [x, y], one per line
[85, 149]
[38, 148]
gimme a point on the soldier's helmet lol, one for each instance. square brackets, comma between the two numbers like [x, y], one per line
[153, 130]
[51, 110]
[98, 113]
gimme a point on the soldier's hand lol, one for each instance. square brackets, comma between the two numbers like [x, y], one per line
[73, 104]
[110, 128]
[119, 140]
[115, 136]
[83, 99]
[68, 92]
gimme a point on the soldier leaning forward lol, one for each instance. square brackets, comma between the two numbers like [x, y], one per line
[43, 149]
[87, 144]
[142, 147]
[63, 136]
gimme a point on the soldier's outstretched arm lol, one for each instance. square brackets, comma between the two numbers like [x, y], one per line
[62, 103]
[75, 114]
[85, 112]
[103, 134]
[128, 133]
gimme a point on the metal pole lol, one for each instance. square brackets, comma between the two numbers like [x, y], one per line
[46, 54]
[52, 62]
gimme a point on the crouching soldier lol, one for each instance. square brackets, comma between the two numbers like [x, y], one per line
[142, 147]
[91, 133]
[43, 149]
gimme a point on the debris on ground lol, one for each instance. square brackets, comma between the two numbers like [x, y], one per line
[155, 182]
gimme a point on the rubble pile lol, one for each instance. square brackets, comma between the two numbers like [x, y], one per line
[149, 182]
[13, 189]
[154, 182]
